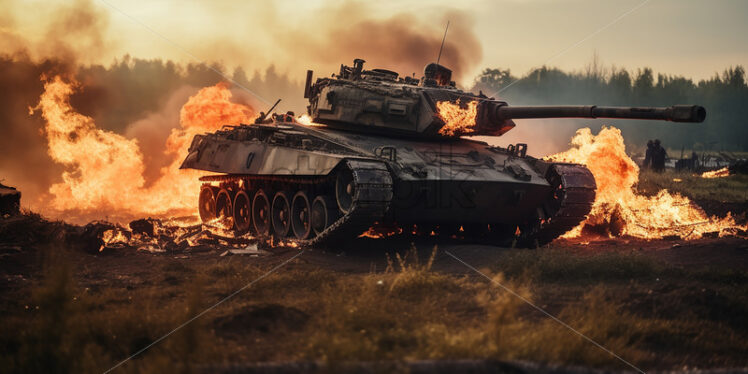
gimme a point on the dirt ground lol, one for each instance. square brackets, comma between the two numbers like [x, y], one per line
[20, 265]
[400, 304]
[705, 282]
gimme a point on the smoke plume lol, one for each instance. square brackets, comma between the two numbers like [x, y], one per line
[404, 42]
[128, 109]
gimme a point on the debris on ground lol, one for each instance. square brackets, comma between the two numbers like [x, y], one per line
[147, 235]
[160, 236]
[251, 250]
[26, 229]
[10, 201]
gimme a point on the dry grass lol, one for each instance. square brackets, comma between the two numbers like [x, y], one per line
[733, 189]
[652, 314]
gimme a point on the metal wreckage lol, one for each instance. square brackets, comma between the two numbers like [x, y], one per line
[377, 154]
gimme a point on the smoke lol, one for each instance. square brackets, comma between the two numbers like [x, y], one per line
[152, 131]
[404, 42]
[23, 149]
[136, 102]
[63, 35]
[69, 31]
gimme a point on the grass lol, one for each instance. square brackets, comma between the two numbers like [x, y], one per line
[732, 189]
[655, 315]
[582, 269]
[672, 152]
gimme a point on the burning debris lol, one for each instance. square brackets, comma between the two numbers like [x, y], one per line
[724, 172]
[457, 120]
[619, 210]
[161, 236]
[736, 167]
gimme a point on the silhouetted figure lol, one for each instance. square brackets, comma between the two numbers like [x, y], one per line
[694, 161]
[648, 155]
[658, 157]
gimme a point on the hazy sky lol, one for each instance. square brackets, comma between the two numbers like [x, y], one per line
[694, 38]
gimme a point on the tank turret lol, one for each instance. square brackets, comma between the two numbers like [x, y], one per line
[379, 100]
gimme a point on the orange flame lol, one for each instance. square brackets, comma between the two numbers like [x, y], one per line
[635, 215]
[457, 120]
[113, 236]
[306, 120]
[104, 173]
[724, 172]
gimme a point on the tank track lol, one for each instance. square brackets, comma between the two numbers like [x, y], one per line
[373, 186]
[572, 199]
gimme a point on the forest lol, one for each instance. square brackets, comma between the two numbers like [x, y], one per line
[724, 95]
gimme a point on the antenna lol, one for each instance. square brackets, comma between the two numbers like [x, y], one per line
[442, 47]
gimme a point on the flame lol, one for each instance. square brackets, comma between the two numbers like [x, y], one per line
[104, 173]
[173, 234]
[378, 231]
[306, 120]
[617, 201]
[724, 172]
[457, 120]
[115, 236]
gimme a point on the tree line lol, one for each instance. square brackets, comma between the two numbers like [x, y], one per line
[725, 97]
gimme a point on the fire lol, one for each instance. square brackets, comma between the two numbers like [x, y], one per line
[617, 203]
[724, 172]
[306, 120]
[104, 175]
[378, 231]
[114, 236]
[457, 120]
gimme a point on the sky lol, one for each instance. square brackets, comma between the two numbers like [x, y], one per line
[693, 38]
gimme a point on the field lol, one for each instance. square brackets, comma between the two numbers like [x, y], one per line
[381, 305]
[731, 190]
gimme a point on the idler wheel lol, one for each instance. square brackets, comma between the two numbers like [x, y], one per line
[224, 211]
[301, 215]
[242, 213]
[324, 213]
[345, 190]
[261, 213]
[280, 215]
[207, 204]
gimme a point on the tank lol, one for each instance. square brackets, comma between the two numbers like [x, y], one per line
[383, 152]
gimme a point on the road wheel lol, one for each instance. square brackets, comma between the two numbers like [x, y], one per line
[207, 204]
[324, 213]
[224, 210]
[261, 213]
[300, 215]
[242, 212]
[345, 190]
[280, 215]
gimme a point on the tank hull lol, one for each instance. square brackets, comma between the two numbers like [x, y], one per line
[448, 186]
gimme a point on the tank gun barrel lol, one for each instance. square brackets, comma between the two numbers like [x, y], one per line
[675, 113]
